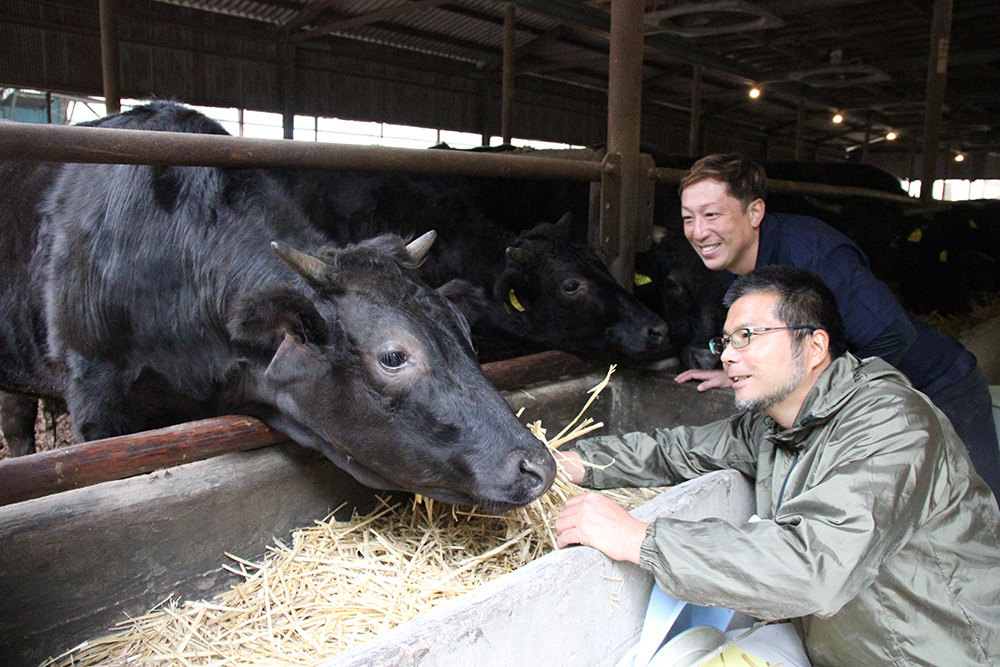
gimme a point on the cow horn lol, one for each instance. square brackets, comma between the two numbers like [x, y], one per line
[418, 247]
[565, 224]
[311, 268]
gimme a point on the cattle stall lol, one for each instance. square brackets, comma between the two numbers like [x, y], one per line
[148, 495]
[76, 561]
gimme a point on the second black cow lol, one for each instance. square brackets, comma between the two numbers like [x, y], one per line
[531, 290]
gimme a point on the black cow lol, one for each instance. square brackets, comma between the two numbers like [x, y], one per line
[672, 280]
[163, 301]
[947, 258]
[535, 290]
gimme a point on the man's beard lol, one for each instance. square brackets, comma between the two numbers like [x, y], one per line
[764, 402]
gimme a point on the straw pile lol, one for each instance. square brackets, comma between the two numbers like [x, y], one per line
[339, 584]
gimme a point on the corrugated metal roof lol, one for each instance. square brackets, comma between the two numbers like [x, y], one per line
[268, 12]
[866, 58]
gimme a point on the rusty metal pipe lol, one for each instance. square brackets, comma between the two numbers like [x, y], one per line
[624, 122]
[62, 143]
[110, 69]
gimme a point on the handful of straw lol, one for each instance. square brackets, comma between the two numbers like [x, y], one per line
[340, 584]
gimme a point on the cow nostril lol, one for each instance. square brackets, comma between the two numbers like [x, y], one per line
[656, 335]
[535, 475]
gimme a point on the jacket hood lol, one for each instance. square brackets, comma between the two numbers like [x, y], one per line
[834, 388]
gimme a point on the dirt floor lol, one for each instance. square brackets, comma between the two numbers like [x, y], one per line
[52, 429]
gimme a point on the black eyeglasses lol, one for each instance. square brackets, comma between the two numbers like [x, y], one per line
[741, 337]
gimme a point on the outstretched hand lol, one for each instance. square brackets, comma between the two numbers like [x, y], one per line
[597, 521]
[710, 378]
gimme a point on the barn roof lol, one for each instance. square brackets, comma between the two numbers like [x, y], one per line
[866, 59]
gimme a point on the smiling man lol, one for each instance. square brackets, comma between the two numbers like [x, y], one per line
[727, 222]
[876, 537]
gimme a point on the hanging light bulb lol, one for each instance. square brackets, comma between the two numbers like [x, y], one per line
[959, 158]
[755, 92]
[837, 118]
[891, 136]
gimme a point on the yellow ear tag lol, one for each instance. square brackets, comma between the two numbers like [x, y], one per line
[915, 236]
[642, 279]
[514, 302]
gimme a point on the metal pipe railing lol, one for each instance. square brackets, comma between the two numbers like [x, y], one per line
[70, 143]
[674, 176]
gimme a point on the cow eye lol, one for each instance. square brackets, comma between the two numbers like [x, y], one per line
[392, 360]
[571, 286]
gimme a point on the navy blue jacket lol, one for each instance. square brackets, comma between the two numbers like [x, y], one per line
[874, 320]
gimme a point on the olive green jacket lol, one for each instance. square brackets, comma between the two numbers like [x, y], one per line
[875, 535]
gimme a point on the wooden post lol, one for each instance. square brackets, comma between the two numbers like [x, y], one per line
[868, 138]
[507, 86]
[618, 232]
[800, 124]
[288, 87]
[694, 132]
[937, 69]
[110, 70]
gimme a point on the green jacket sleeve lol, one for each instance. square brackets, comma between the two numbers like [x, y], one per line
[669, 456]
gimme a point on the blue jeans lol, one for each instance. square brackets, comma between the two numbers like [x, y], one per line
[968, 404]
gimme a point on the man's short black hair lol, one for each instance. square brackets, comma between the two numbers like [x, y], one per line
[744, 179]
[804, 300]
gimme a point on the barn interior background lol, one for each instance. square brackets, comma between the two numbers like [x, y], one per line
[907, 87]
[925, 71]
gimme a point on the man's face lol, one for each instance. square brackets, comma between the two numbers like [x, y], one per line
[768, 373]
[721, 232]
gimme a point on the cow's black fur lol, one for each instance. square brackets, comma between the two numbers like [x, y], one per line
[563, 296]
[163, 301]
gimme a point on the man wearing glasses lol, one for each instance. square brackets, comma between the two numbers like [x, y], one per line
[876, 537]
[727, 224]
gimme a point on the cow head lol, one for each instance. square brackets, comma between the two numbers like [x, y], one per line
[376, 370]
[687, 294]
[558, 294]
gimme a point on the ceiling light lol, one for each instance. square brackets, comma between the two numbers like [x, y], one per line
[959, 158]
[755, 93]
[837, 118]
[891, 136]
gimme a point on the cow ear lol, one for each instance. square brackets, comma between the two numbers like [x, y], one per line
[263, 317]
[469, 299]
[293, 362]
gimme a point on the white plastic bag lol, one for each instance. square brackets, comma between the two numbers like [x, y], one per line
[680, 634]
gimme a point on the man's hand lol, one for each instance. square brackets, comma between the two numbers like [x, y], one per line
[597, 521]
[711, 378]
[571, 464]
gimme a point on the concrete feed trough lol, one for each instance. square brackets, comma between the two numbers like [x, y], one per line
[74, 563]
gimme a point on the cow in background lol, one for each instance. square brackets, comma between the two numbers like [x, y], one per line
[145, 296]
[670, 279]
[535, 289]
[947, 257]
